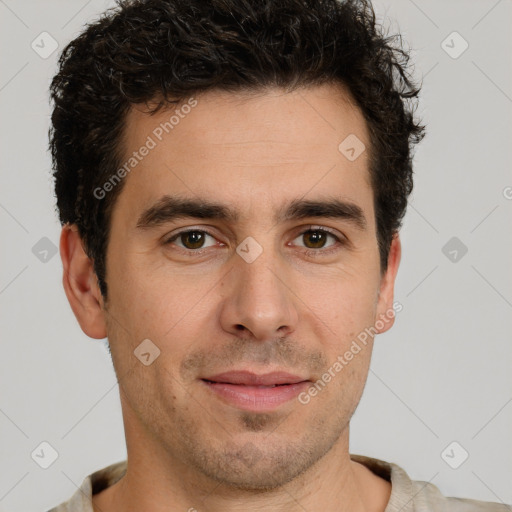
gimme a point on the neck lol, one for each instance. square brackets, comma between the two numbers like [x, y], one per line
[156, 482]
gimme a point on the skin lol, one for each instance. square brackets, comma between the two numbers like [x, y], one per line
[186, 448]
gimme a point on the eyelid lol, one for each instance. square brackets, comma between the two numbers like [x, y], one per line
[169, 238]
[317, 227]
[331, 231]
[339, 238]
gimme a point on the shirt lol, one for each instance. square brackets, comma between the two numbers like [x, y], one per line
[406, 495]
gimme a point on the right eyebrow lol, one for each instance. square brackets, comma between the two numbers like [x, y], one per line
[169, 208]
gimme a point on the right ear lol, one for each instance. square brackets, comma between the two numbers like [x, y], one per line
[81, 284]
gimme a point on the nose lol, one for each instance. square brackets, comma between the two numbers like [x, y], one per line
[258, 301]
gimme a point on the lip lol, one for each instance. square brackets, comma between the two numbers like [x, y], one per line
[253, 392]
[252, 379]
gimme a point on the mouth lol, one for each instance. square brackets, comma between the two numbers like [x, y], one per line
[253, 392]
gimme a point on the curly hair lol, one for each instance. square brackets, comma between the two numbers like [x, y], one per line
[163, 51]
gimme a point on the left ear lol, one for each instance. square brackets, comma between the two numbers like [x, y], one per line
[385, 316]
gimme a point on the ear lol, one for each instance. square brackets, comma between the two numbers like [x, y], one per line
[81, 284]
[385, 313]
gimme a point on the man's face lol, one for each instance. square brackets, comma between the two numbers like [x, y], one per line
[211, 309]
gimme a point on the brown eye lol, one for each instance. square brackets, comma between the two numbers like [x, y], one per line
[317, 238]
[315, 241]
[191, 239]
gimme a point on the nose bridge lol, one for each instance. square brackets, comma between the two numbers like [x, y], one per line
[258, 297]
[259, 277]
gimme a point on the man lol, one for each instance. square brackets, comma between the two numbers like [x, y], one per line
[231, 178]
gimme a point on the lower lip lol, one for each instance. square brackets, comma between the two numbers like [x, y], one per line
[256, 399]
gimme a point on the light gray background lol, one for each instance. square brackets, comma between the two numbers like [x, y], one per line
[442, 374]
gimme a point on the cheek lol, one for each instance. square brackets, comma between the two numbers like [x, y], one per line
[172, 302]
[170, 309]
[150, 294]
[345, 303]
[155, 300]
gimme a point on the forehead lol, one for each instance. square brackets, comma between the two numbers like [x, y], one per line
[261, 147]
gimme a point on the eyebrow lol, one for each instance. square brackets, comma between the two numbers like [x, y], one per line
[169, 208]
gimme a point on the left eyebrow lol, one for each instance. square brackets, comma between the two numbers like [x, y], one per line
[169, 208]
[329, 208]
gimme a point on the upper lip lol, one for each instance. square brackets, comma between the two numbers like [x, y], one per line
[252, 379]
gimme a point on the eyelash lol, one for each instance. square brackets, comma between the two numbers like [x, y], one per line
[307, 252]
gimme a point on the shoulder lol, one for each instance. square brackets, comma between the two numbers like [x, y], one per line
[428, 497]
[418, 496]
[92, 484]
